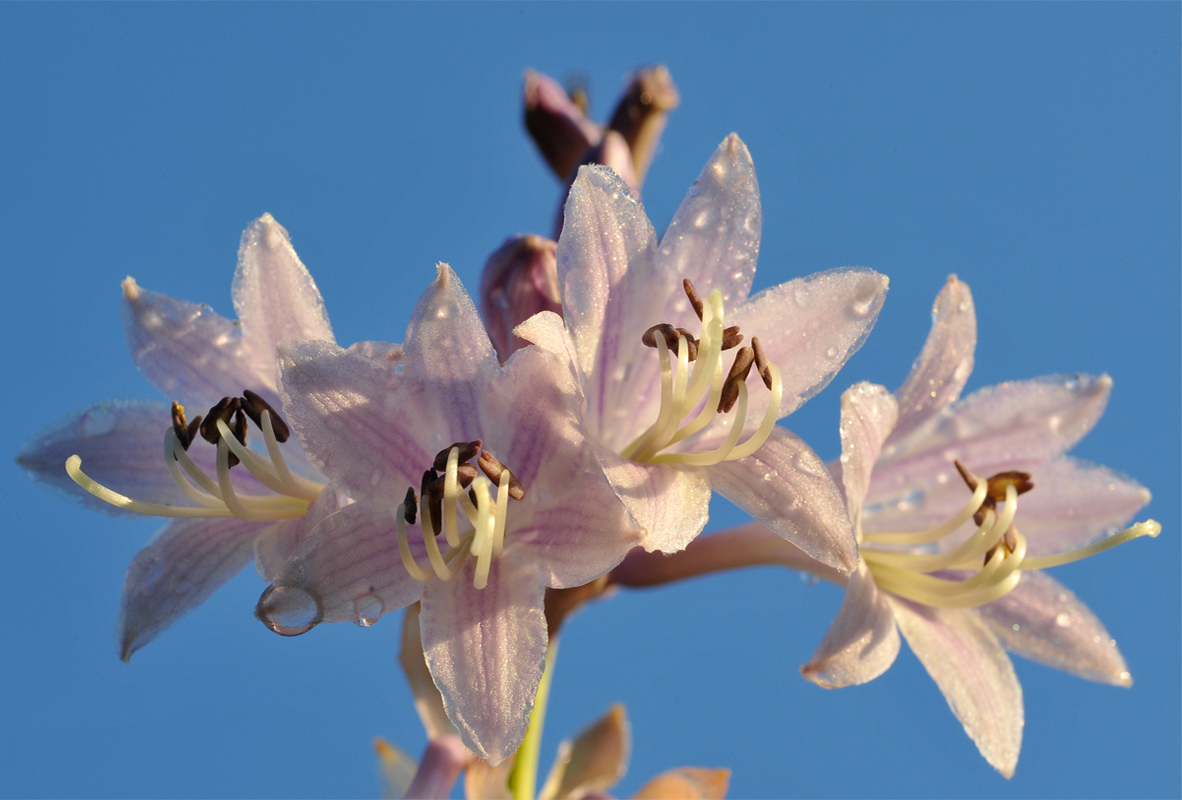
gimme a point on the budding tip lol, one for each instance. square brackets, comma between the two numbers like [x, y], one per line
[131, 289]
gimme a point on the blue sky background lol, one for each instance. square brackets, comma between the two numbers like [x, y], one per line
[1031, 149]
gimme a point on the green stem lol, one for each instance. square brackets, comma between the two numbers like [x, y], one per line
[523, 780]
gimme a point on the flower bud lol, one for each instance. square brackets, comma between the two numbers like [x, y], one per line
[641, 115]
[520, 279]
[558, 126]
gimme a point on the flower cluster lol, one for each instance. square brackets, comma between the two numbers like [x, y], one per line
[490, 475]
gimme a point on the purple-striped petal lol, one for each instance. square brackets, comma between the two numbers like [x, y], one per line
[274, 296]
[863, 640]
[868, 414]
[670, 504]
[785, 486]
[967, 662]
[1044, 621]
[486, 649]
[185, 563]
[946, 362]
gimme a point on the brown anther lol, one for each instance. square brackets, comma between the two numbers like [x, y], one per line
[224, 411]
[433, 504]
[694, 298]
[690, 341]
[739, 372]
[761, 362]
[649, 339]
[254, 406]
[468, 451]
[179, 426]
[410, 506]
[731, 337]
[998, 483]
[493, 468]
[429, 477]
[465, 474]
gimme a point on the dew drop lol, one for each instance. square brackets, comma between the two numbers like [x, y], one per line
[801, 295]
[98, 421]
[1063, 620]
[695, 190]
[864, 297]
[1071, 384]
[289, 610]
[375, 477]
[1017, 627]
[809, 579]
[1096, 639]
[831, 352]
[367, 610]
[963, 306]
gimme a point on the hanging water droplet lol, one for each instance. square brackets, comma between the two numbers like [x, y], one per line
[1063, 619]
[367, 610]
[98, 421]
[695, 190]
[289, 610]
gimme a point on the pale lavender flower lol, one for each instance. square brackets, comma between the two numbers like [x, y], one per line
[541, 514]
[191, 354]
[963, 593]
[650, 328]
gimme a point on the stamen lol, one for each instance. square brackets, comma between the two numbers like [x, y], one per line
[255, 407]
[740, 369]
[495, 471]
[410, 507]
[761, 362]
[1150, 528]
[694, 298]
[731, 337]
[467, 452]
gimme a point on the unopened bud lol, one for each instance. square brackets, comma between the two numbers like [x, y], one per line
[520, 280]
[642, 113]
[557, 124]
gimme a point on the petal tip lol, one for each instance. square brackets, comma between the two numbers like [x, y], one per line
[131, 289]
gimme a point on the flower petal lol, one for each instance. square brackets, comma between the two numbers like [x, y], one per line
[809, 327]
[786, 486]
[670, 504]
[486, 649]
[350, 563]
[608, 277]
[185, 563]
[946, 362]
[863, 640]
[187, 351]
[428, 701]
[966, 661]
[519, 280]
[714, 237]
[1008, 426]
[1075, 503]
[868, 414]
[1043, 620]
[438, 769]
[274, 296]
[366, 426]
[594, 761]
[686, 783]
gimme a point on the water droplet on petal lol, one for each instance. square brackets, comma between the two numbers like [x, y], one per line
[809, 579]
[1063, 620]
[289, 610]
[367, 610]
[802, 296]
[831, 352]
[695, 190]
[1017, 627]
[98, 421]
[1071, 384]
[375, 478]
[864, 297]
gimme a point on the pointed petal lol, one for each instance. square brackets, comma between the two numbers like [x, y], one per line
[946, 362]
[863, 640]
[187, 351]
[868, 414]
[1044, 621]
[438, 769]
[486, 649]
[446, 341]
[1011, 425]
[351, 565]
[809, 327]
[594, 761]
[397, 770]
[714, 237]
[428, 701]
[368, 427]
[786, 486]
[686, 783]
[966, 661]
[670, 504]
[1075, 503]
[185, 563]
[609, 285]
[274, 296]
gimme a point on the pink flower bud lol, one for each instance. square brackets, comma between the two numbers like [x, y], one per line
[520, 279]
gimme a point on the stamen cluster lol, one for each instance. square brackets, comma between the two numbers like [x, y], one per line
[450, 485]
[705, 391]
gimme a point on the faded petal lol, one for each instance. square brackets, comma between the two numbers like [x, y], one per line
[520, 279]
[863, 640]
[670, 504]
[785, 486]
[608, 280]
[428, 701]
[274, 296]
[868, 414]
[714, 237]
[185, 563]
[486, 649]
[187, 351]
[946, 362]
[969, 665]
[1043, 620]
[686, 783]
[594, 761]
[809, 328]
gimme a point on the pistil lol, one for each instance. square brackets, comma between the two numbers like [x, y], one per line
[995, 554]
[216, 496]
[691, 397]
